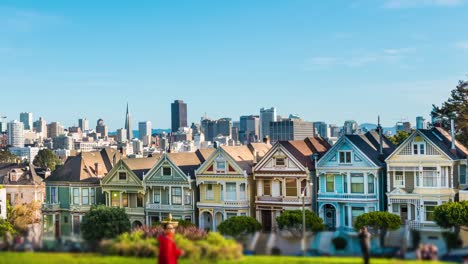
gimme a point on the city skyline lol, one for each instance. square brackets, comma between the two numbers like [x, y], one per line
[89, 59]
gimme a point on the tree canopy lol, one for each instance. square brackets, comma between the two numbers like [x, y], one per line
[292, 220]
[455, 107]
[7, 157]
[46, 158]
[103, 222]
[452, 214]
[22, 215]
[380, 223]
[399, 137]
[239, 225]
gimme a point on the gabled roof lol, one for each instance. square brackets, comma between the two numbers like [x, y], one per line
[188, 162]
[82, 168]
[28, 174]
[261, 149]
[443, 140]
[369, 145]
[242, 155]
[140, 166]
[303, 150]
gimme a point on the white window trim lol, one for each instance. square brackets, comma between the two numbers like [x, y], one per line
[419, 148]
[350, 157]
[220, 170]
[395, 181]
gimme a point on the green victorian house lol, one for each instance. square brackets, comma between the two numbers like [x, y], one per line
[123, 187]
[170, 186]
[71, 190]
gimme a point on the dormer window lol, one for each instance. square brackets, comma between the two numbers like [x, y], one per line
[419, 148]
[280, 162]
[345, 157]
[166, 171]
[220, 166]
[122, 176]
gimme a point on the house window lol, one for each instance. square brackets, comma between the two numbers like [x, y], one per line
[395, 208]
[187, 196]
[266, 187]
[209, 194]
[85, 196]
[124, 199]
[304, 187]
[76, 196]
[176, 195]
[291, 187]
[355, 212]
[76, 224]
[370, 184]
[345, 183]
[242, 191]
[54, 195]
[419, 148]
[220, 166]
[156, 198]
[463, 174]
[330, 186]
[188, 218]
[229, 215]
[231, 194]
[65, 219]
[429, 177]
[93, 196]
[115, 199]
[398, 179]
[167, 171]
[140, 198]
[345, 157]
[280, 162]
[357, 183]
[429, 210]
[346, 216]
[122, 176]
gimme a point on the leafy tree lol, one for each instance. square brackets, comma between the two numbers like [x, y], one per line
[5, 227]
[455, 107]
[23, 215]
[239, 226]
[380, 223]
[7, 157]
[46, 158]
[103, 222]
[292, 221]
[399, 137]
[452, 214]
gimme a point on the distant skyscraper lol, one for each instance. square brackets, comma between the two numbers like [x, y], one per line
[121, 135]
[27, 119]
[54, 129]
[321, 129]
[267, 115]
[144, 129]
[83, 123]
[420, 122]
[403, 126]
[249, 130]
[101, 128]
[214, 128]
[41, 127]
[290, 129]
[178, 115]
[128, 125]
[334, 130]
[16, 134]
[350, 127]
[3, 124]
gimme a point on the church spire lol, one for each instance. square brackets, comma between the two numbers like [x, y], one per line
[128, 125]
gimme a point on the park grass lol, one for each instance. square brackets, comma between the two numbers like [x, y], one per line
[66, 258]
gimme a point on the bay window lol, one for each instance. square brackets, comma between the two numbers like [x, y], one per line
[357, 183]
[231, 192]
[330, 183]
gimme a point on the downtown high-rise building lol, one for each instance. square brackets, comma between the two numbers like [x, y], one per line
[121, 135]
[321, 129]
[290, 129]
[15, 133]
[178, 115]
[420, 123]
[83, 123]
[214, 128]
[144, 132]
[350, 127]
[27, 119]
[40, 126]
[249, 129]
[3, 124]
[334, 130]
[101, 128]
[267, 115]
[54, 129]
[128, 125]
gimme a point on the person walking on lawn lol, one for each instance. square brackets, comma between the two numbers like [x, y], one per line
[168, 251]
[364, 240]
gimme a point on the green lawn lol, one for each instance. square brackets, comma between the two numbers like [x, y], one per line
[64, 258]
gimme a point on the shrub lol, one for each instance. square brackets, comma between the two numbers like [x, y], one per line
[238, 226]
[340, 243]
[134, 244]
[292, 220]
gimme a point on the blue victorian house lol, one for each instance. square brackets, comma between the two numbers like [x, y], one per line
[352, 179]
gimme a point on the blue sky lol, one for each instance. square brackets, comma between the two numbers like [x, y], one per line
[324, 60]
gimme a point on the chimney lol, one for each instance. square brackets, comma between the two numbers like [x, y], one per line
[452, 132]
[215, 144]
[379, 128]
[266, 140]
[255, 157]
[96, 168]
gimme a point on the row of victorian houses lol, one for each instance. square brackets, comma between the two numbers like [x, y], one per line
[359, 174]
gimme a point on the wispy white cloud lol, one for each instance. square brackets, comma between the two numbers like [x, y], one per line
[463, 44]
[396, 4]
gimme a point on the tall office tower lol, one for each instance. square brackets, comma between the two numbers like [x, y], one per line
[350, 127]
[54, 129]
[15, 133]
[321, 129]
[420, 124]
[83, 123]
[249, 130]
[214, 128]
[121, 135]
[62, 142]
[178, 115]
[3, 124]
[144, 129]
[267, 115]
[101, 128]
[27, 119]
[290, 129]
[41, 127]
[334, 130]
[128, 125]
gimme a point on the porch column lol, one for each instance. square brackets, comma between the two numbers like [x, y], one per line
[338, 216]
[170, 195]
[147, 219]
[451, 176]
[409, 212]
[283, 187]
[348, 185]
[238, 191]
[120, 199]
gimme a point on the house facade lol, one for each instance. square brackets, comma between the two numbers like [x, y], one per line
[283, 176]
[426, 170]
[170, 187]
[123, 187]
[3, 203]
[352, 179]
[71, 190]
[225, 183]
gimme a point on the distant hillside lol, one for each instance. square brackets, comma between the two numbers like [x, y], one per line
[153, 132]
[370, 126]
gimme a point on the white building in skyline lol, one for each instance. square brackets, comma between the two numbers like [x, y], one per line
[15, 133]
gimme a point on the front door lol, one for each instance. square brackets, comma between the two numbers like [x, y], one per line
[266, 220]
[57, 227]
[330, 216]
[404, 212]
